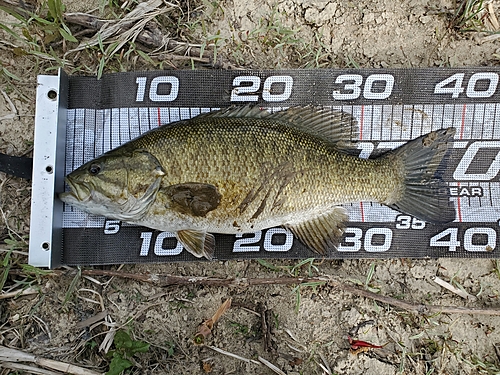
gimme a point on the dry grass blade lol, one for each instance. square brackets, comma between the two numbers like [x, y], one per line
[271, 366]
[493, 18]
[218, 350]
[18, 293]
[134, 22]
[27, 369]
[451, 288]
[13, 109]
[207, 326]
[94, 319]
[13, 355]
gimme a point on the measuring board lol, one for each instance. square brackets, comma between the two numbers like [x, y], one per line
[79, 118]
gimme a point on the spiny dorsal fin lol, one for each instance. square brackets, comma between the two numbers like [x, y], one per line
[323, 232]
[332, 125]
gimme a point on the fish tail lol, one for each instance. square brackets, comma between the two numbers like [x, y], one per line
[424, 193]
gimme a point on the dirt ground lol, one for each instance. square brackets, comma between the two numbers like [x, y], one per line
[309, 336]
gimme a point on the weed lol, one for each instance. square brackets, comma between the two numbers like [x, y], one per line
[315, 54]
[351, 63]
[125, 348]
[35, 272]
[170, 348]
[468, 16]
[241, 329]
[276, 321]
[14, 242]
[56, 20]
[38, 34]
[72, 286]
[496, 267]
[269, 266]
[178, 305]
[292, 270]
[6, 265]
[272, 33]
[367, 284]
[482, 365]
[297, 289]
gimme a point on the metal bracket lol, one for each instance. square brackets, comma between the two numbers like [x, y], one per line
[45, 243]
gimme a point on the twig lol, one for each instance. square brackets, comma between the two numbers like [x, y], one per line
[4, 250]
[18, 293]
[171, 280]
[423, 309]
[19, 6]
[28, 369]
[266, 327]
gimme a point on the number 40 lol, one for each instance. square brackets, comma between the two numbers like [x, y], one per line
[454, 85]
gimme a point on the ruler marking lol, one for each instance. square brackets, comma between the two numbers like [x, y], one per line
[483, 122]
[361, 121]
[71, 141]
[391, 122]
[129, 125]
[495, 134]
[462, 126]
[459, 210]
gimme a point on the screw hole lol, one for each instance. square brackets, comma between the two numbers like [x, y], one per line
[52, 94]
[45, 246]
[49, 169]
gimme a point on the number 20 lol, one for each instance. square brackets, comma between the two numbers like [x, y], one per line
[241, 93]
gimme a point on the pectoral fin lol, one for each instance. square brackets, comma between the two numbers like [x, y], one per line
[323, 232]
[200, 244]
[193, 198]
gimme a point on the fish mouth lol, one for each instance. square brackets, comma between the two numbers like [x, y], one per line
[77, 192]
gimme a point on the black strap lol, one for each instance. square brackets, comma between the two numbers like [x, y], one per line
[16, 166]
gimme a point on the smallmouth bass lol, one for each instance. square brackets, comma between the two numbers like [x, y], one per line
[242, 170]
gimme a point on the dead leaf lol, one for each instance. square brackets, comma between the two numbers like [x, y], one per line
[207, 326]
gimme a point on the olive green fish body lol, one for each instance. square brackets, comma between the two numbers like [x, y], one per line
[244, 170]
[267, 174]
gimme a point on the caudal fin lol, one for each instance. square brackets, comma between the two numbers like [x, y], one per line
[425, 193]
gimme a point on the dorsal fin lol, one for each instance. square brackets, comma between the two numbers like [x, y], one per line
[336, 127]
[332, 125]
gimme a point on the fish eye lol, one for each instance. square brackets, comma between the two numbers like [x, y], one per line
[94, 169]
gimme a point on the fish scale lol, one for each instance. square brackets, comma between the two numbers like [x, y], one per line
[243, 169]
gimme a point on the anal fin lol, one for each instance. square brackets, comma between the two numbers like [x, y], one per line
[198, 243]
[323, 232]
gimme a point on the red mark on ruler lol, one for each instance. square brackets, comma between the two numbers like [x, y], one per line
[461, 135]
[361, 120]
